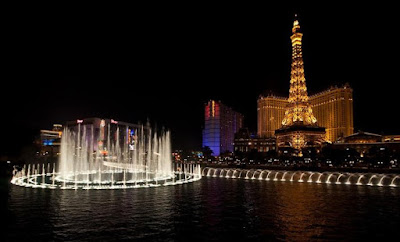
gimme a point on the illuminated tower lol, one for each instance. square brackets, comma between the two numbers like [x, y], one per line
[299, 126]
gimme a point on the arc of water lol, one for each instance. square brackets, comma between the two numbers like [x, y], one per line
[254, 174]
[359, 180]
[381, 180]
[328, 179]
[291, 178]
[247, 174]
[227, 173]
[392, 183]
[233, 174]
[276, 176]
[203, 172]
[267, 179]
[283, 176]
[348, 179]
[310, 177]
[370, 180]
[319, 178]
[301, 177]
[215, 171]
[338, 179]
[260, 176]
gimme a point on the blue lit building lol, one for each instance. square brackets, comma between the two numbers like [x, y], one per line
[50, 141]
[220, 125]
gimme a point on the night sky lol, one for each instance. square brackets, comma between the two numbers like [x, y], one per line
[163, 63]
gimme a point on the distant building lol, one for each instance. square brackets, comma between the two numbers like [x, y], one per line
[50, 141]
[220, 125]
[104, 132]
[364, 142]
[245, 142]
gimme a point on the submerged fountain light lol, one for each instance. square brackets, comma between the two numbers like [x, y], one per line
[115, 156]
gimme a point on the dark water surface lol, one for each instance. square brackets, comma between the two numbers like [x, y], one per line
[209, 210]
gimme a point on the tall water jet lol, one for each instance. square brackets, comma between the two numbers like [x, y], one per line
[104, 154]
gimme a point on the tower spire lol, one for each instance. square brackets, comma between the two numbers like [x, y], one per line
[299, 110]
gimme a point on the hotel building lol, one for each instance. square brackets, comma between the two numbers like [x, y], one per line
[333, 108]
[220, 125]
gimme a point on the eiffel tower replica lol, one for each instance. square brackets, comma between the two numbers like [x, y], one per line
[299, 126]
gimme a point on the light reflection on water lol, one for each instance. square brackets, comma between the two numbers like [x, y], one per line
[211, 209]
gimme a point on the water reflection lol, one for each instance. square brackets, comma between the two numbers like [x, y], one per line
[213, 209]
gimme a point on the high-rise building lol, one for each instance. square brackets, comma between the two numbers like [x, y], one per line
[333, 108]
[220, 125]
[299, 126]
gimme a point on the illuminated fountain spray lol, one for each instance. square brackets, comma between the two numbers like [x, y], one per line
[117, 156]
[365, 179]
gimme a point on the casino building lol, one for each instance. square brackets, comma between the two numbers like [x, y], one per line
[302, 121]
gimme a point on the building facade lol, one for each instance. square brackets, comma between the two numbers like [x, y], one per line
[270, 113]
[50, 141]
[220, 125]
[101, 133]
[368, 149]
[333, 108]
[245, 142]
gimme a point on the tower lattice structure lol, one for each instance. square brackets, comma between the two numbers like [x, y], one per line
[299, 126]
[299, 110]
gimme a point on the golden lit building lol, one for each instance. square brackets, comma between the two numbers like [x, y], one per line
[270, 112]
[333, 108]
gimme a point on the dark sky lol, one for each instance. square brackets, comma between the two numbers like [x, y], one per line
[164, 62]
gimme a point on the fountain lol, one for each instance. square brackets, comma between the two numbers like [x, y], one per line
[389, 180]
[112, 157]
